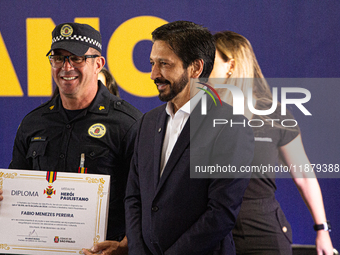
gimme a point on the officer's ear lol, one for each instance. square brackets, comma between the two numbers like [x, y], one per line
[100, 62]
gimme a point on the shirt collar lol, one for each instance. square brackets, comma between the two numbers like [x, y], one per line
[99, 105]
[187, 107]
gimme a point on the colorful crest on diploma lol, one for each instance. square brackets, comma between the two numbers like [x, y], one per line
[51, 176]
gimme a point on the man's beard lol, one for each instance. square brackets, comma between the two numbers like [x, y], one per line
[175, 88]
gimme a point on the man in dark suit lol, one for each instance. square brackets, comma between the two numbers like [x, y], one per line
[167, 211]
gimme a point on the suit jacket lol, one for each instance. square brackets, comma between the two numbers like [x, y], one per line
[176, 214]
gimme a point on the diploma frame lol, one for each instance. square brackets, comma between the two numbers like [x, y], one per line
[42, 199]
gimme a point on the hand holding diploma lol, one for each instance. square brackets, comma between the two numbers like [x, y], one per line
[109, 248]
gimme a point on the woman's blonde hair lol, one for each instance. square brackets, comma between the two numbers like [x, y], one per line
[247, 72]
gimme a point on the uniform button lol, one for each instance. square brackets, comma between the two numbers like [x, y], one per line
[92, 154]
[62, 156]
[68, 126]
[284, 229]
[154, 208]
[34, 153]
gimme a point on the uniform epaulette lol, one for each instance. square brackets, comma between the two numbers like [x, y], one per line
[128, 109]
[39, 107]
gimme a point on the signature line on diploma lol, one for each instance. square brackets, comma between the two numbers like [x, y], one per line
[33, 234]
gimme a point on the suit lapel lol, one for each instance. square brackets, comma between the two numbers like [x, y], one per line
[196, 118]
[181, 144]
[159, 138]
[189, 130]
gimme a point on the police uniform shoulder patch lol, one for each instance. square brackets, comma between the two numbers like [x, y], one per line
[66, 30]
[97, 130]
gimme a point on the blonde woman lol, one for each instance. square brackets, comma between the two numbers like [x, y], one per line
[261, 227]
[109, 81]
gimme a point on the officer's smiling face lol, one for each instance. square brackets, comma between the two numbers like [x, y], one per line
[75, 82]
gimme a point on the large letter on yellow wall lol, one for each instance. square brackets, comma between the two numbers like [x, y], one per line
[39, 39]
[120, 55]
[9, 83]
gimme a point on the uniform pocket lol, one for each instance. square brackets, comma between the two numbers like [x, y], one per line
[96, 159]
[284, 224]
[36, 151]
[94, 152]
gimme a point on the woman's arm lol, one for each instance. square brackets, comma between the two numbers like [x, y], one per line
[294, 154]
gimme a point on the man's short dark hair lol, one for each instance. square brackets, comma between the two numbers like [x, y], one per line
[189, 42]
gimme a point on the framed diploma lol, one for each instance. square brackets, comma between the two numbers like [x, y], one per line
[52, 212]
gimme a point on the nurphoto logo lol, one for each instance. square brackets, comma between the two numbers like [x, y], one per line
[239, 104]
[238, 99]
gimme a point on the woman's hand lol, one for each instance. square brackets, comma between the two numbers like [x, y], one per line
[323, 243]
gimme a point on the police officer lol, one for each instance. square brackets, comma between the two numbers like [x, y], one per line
[84, 127]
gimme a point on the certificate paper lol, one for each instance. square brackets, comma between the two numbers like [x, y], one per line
[52, 212]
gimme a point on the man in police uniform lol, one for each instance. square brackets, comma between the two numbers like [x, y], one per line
[84, 127]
